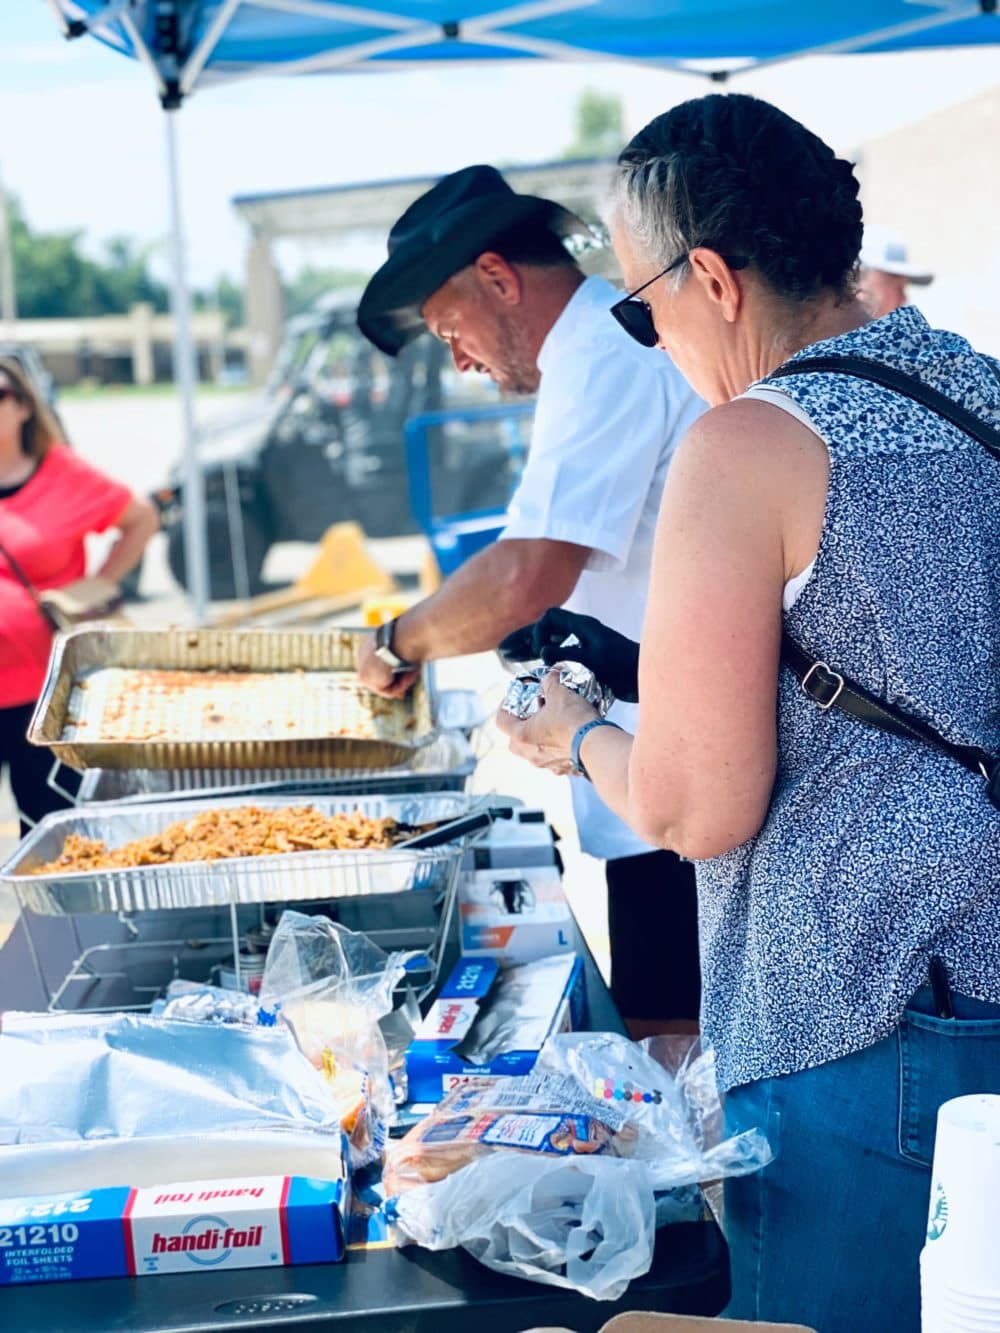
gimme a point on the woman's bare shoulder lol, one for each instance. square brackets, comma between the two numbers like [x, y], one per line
[753, 429]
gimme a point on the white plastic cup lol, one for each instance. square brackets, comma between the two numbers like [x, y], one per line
[947, 1310]
[934, 1276]
[938, 1316]
[963, 1227]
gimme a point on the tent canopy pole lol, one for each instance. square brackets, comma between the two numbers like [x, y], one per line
[193, 483]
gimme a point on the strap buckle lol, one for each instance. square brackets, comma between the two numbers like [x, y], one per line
[820, 687]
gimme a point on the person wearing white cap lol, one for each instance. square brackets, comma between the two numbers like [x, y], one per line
[886, 271]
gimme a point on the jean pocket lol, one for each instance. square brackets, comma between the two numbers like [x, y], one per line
[941, 1058]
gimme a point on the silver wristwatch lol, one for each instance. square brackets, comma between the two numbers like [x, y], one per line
[384, 651]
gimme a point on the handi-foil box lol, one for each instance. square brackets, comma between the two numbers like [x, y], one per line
[190, 1227]
[492, 1020]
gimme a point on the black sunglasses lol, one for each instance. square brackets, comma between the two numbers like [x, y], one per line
[635, 316]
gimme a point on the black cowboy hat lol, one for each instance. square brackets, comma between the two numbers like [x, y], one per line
[445, 229]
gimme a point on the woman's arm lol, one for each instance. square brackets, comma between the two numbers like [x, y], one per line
[742, 512]
[136, 525]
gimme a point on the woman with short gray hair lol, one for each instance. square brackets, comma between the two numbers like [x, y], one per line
[847, 873]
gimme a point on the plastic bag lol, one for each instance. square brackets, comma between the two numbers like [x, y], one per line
[587, 1223]
[513, 1188]
[547, 1116]
[332, 986]
[680, 1107]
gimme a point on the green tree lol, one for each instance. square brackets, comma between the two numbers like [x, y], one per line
[52, 277]
[55, 279]
[600, 126]
[124, 276]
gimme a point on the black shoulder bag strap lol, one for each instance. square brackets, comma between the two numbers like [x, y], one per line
[26, 583]
[821, 682]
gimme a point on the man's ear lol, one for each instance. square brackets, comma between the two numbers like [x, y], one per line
[498, 279]
[718, 281]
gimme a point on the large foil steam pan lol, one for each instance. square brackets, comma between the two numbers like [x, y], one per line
[285, 877]
[524, 693]
[379, 733]
[446, 764]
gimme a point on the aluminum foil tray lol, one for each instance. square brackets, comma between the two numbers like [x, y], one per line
[124, 718]
[445, 764]
[287, 877]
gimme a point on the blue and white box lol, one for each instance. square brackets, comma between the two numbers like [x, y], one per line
[436, 1059]
[186, 1227]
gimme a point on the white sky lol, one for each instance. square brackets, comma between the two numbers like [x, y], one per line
[82, 140]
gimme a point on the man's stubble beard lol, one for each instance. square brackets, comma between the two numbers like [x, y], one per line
[516, 370]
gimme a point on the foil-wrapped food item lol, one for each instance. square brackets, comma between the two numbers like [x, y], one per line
[524, 693]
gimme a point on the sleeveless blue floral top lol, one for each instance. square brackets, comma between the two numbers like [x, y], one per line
[877, 852]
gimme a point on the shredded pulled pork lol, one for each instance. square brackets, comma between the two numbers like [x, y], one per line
[216, 835]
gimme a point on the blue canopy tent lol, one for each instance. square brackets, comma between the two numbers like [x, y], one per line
[191, 44]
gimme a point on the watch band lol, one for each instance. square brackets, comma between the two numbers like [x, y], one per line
[581, 732]
[384, 650]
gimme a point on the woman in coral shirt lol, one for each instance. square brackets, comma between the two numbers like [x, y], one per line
[50, 499]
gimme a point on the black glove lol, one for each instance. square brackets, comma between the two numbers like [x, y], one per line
[519, 646]
[612, 657]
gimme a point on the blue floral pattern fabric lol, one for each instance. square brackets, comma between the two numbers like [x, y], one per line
[877, 852]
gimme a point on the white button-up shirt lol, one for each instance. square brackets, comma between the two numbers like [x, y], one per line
[610, 414]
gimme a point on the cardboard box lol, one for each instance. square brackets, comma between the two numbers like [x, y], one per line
[681, 1323]
[186, 1227]
[514, 915]
[524, 840]
[434, 1064]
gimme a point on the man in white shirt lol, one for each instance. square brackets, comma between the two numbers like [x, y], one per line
[484, 269]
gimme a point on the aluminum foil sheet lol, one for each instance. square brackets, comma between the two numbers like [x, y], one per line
[196, 1003]
[124, 1099]
[287, 877]
[524, 693]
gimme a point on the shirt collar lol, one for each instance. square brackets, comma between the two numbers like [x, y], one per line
[584, 296]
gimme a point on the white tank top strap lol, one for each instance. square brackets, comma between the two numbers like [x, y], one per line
[776, 398]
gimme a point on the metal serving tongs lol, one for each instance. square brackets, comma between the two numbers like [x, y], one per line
[440, 831]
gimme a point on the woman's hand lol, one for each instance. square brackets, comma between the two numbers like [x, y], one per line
[545, 739]
[135, 526]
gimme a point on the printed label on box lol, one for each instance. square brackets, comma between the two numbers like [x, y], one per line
[175, 1228]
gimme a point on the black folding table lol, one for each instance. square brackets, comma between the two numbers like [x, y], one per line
[381, 1290]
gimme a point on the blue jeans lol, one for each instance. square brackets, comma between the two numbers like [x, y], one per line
[829, 1234]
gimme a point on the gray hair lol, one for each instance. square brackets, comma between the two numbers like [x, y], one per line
[650, 200]
[739, 176]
